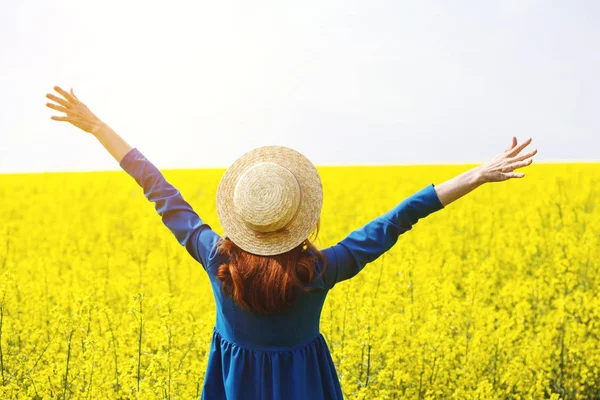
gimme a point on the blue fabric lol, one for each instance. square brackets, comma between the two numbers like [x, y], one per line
[282, 356]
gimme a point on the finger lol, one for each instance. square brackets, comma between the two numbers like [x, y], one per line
[58, 100]
[514, 143]
[57, 108]
[521, 164]
[73, 94]
[524, 156]
[509, 175]
[57, 118]
[65, 94]
[516, 150]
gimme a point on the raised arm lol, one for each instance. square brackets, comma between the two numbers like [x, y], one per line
[366, 244]
[176, 213]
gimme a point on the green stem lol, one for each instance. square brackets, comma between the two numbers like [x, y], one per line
[114, 346]
[169, 360]
[1, 355]
[91, 379]
[422, 371]
[368, 357]
[66, 381]
[140, 343]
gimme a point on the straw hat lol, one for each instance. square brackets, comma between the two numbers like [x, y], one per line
[269, 200]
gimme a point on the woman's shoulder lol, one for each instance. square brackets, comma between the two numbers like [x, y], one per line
[213, 257]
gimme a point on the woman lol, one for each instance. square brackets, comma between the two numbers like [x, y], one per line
[269, 281]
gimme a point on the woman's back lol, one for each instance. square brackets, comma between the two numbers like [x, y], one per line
[295, 326]
[258, 356]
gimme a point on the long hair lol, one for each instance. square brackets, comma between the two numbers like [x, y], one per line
[268, 284]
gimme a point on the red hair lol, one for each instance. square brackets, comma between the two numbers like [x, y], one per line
[268, 284]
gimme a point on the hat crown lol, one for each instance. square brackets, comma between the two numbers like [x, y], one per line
[267, 197]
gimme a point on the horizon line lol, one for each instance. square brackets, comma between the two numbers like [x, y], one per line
[38, 172]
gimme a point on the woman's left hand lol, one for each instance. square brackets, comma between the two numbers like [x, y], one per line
[78, 113]
[502, 166]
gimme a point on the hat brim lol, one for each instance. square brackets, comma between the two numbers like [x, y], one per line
[298, 229]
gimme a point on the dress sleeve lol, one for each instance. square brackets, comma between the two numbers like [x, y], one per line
[190, 231]
[366, 244]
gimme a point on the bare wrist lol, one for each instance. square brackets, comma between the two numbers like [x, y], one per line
[477, 176]
[99, 129]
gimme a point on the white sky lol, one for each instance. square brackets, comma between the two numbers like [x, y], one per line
[196, 84]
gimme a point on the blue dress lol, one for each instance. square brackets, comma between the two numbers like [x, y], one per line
[282, 356]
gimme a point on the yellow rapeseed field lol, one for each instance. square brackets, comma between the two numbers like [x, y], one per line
[495, 296]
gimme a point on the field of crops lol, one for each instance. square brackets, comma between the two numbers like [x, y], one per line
[495, 296]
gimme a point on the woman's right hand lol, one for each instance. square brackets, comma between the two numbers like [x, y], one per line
[77, 113]
[501, 167]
